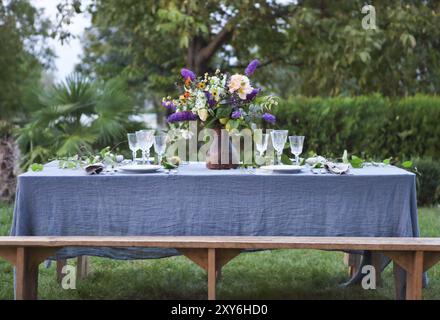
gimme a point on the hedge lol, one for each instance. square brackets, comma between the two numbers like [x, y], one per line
[372, 127]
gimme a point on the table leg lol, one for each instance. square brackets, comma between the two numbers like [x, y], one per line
[83, 267]
[60, 265]
[399, 281]
[376, 262]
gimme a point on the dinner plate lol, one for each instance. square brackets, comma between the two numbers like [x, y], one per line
[283, 168]
[140, 168]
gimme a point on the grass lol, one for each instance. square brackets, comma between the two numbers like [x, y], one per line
[277, 274]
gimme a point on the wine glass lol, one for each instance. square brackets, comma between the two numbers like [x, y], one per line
[296, 146]
[160, 145]
[279, 138]
[261, 140]
[145, 139]
[133, 145]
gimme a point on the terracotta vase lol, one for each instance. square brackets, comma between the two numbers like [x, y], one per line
[215, 160]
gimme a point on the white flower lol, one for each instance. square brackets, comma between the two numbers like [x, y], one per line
[200, 101]
[240, 84]
[203, 114]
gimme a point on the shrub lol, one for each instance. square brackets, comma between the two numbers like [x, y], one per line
[428, 181]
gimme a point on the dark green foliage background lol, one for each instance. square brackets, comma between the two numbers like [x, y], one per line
[373, 127]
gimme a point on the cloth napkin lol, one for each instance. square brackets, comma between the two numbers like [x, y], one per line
[337, 168]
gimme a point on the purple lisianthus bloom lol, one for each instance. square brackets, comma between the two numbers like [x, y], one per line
[250, 69]
[169, 105]
[269, 118]
[182, 116]
[253, 94]
[187, 74]
[210, 99]
[236, 114]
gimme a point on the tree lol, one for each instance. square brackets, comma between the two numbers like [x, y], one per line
[311, 47]
[22, 57]
[75, 117]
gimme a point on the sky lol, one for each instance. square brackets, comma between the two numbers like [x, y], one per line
[68, 54]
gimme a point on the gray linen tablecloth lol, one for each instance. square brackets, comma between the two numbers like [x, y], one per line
[372, 202]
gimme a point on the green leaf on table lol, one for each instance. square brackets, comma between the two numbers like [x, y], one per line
[356, 162]
[345, 157]
[285, 160]
[387, 161]
[36, 167]
[407, 164]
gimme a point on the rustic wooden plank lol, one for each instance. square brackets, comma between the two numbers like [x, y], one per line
[414, 277]
[26, 271]
[211, 274]
[198, 256]
[9, 254]
[403, 259]
[223, 256]
[323, 243]
[430, 259]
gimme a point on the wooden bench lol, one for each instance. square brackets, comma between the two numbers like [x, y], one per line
[414, 255]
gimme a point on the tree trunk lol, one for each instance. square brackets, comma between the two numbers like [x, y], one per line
[8, 157]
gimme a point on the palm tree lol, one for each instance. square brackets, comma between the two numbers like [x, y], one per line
[74, 117]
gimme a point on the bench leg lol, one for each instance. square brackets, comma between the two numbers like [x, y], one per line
[414, 277]
[26, 271]
[212, 270]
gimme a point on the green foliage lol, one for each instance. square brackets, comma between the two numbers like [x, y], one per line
[428, 181]
[76, 117]
[367, 126]
[22, 56]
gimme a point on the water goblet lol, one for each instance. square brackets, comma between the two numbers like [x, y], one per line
[261, 140]
[296, 146]
[279, 138]
[133, 144]
[145, 139]
[160, 145]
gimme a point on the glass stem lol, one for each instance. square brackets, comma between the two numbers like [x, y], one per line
[159, 158]
[134, 156]
[147, 153]
[143, 156]
[278, 157]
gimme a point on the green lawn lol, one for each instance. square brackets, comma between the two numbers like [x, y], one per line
[278, 274]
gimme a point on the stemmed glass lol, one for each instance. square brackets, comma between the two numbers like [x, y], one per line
[296, 146]
[145, 139]
[133, 145]
[261, 140]
[279, 138]
[160, 145]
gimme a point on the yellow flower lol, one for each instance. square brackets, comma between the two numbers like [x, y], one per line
[201, 85]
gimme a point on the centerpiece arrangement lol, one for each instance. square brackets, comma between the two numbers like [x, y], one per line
[220, 101]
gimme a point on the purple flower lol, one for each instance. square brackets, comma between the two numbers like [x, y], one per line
[210, 99]
[187, 74]
[236, 114]
[169, 105]
[182, 116]
[252, 95]
[269, 118]
[250, 69]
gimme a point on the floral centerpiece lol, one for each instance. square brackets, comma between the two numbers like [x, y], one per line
[220, 101]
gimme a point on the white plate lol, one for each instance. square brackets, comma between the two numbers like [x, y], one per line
[140, 168]
[283, 168]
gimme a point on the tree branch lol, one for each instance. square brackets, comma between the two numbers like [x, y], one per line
[207, 52]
